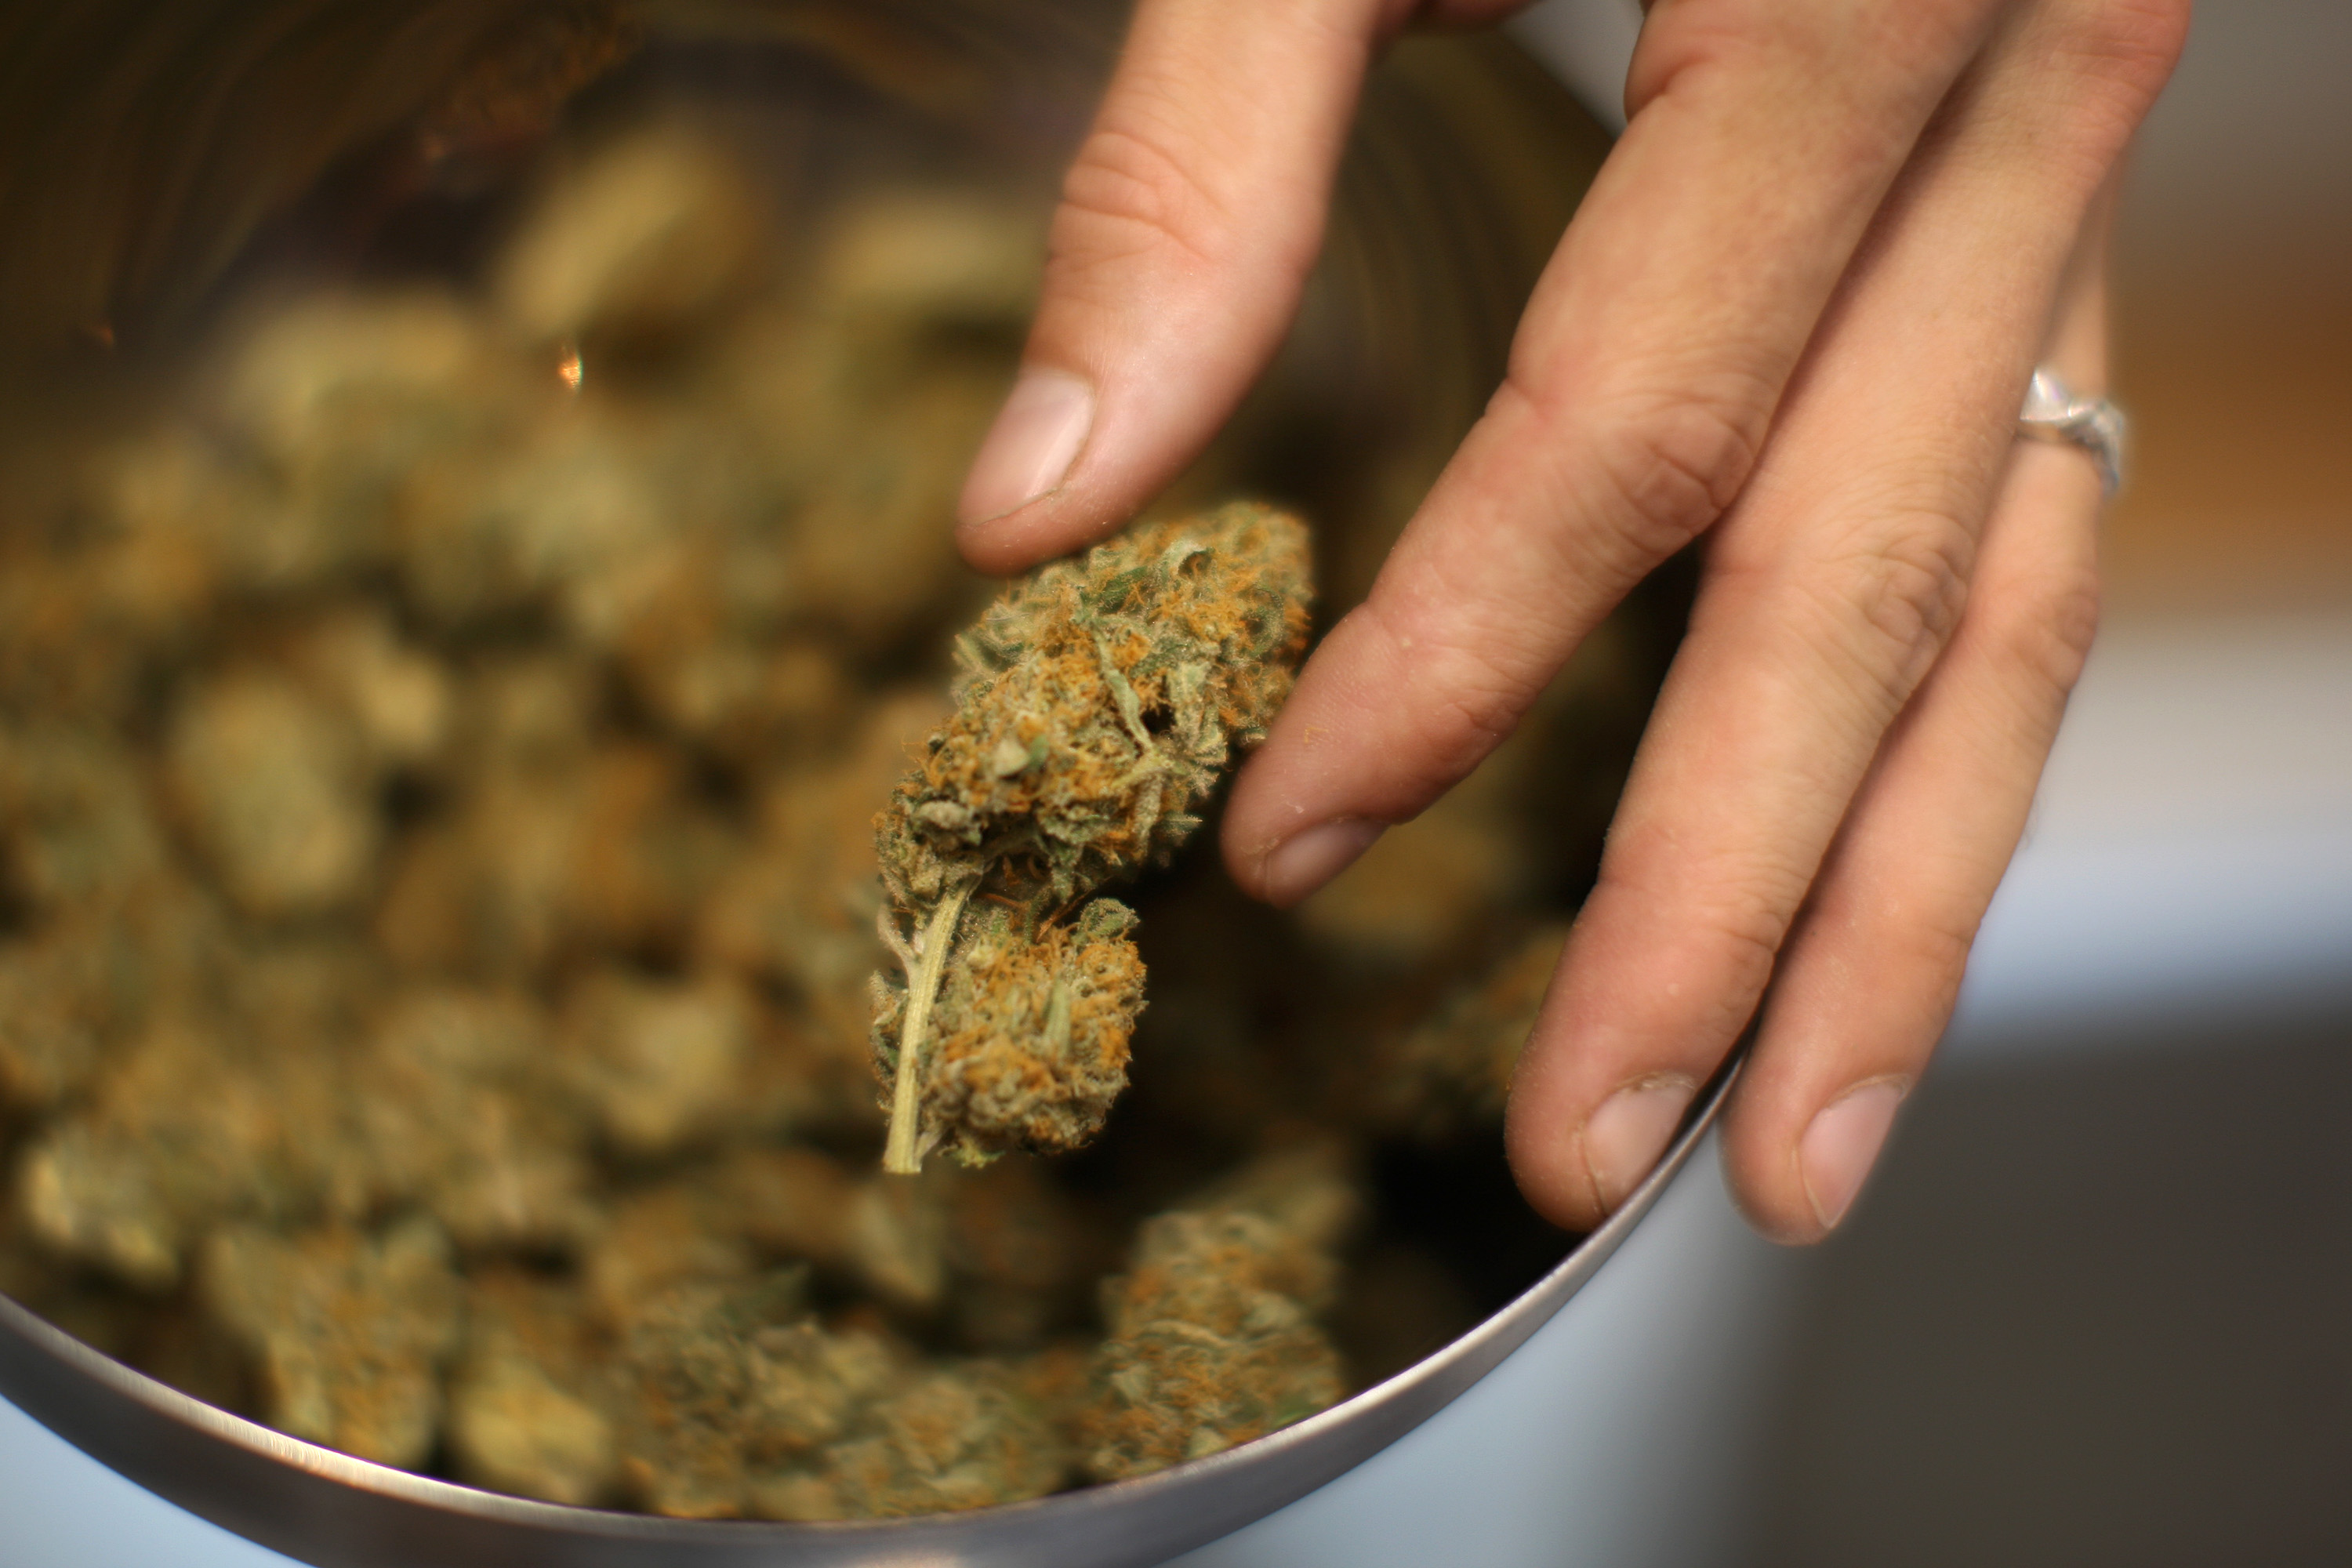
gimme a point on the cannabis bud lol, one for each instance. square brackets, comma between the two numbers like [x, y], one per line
[1212, 1342]
[1097, 703]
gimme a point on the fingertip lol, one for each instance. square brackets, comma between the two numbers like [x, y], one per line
[1770, 1215]
[1842, 1145]
[1278, 847]
[1287, 872]
[1190, 219]
[1243, 852]
[1799, 1190]
[1003, 546]
[1025, 458]
[1548, 1165]
[1578, 1177]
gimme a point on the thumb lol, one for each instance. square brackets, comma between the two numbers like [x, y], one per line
[1188, 223]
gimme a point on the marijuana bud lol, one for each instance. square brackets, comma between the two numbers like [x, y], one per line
[1099, 701]
[1028, 1038]
[526, 1415]
[346, 1332]
[1211, 1342]
[1211, 1337]
[727, 1382]
[951, 1436]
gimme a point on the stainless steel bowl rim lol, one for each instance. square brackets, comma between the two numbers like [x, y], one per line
[150, 1432]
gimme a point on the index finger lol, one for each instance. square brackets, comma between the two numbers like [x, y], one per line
[1188, 223]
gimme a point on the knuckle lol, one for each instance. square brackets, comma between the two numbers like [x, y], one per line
[1738, 914]
[1672, 468]
[1469, 719]
[2041, 632]
[1744, 920]
[1127, 191]
[1937, 941]
[1749, 931]
[1466, 693]
[2106, 61]
[2133, 42]
[1907, 590]
[1686, 39]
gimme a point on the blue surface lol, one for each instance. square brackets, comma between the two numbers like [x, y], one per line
[61, 1509]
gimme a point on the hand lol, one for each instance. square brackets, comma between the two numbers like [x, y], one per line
[1795, 315]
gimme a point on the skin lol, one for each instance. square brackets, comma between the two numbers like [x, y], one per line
[1793, 319]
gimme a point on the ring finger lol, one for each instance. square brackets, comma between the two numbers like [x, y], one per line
[1866, 981]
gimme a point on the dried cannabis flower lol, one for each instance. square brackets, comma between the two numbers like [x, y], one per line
[731, 1383]
[347, 1332]
[1213, 1339]
[1097, 703]
[950, 1435]
[278, 795]
[1212, 1343]
[524, 1416]
[1028, 1039]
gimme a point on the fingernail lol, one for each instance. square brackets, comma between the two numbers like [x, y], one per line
[1031, 447]
[1307, 860]
[1623, 1138]
[1842, 1145]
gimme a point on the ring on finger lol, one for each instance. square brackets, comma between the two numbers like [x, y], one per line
[2053, 413]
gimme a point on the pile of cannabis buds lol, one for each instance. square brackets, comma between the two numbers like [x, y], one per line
[444, 974]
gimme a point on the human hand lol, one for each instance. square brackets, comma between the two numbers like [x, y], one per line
[1795, 315]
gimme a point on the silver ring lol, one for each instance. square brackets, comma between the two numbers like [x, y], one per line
[2053, 413]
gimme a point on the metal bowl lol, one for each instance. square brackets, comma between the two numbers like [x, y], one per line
[329, 1509]
[162, 155]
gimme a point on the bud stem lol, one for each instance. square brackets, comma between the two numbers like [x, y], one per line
[900, 1154]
